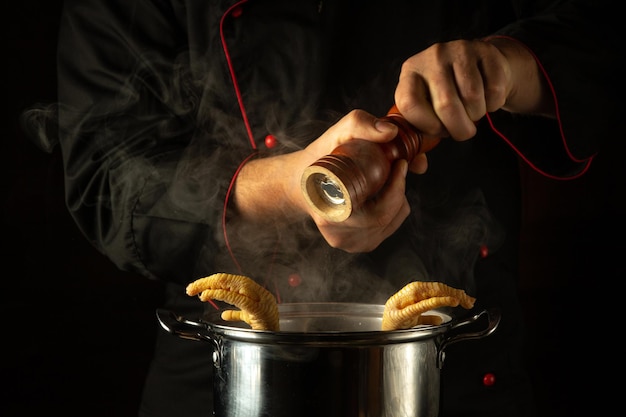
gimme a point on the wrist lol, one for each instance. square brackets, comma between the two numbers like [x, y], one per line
[268, 189]
[527, 90]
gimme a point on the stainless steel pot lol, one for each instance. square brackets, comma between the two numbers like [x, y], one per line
[328, 359]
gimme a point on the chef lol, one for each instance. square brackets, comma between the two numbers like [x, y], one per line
[186, 126]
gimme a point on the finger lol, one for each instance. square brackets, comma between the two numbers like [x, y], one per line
[390, 207]
[376, 220]
[449, 107]
[496, 76]
[469, 83]
[412, 97]
[431, 103]
[419, 164]
[353, 235]
[359, 124]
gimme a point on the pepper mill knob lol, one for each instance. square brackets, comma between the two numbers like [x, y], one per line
[337, 184]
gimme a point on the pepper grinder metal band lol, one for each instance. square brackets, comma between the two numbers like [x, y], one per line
[338, 184]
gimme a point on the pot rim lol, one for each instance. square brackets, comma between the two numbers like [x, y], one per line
[304, 310]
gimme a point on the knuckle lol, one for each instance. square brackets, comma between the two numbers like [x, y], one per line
[356, 118]
[495, 96]
[404, 101]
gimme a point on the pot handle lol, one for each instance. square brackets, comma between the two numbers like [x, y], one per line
[493, 320]
[182, 327]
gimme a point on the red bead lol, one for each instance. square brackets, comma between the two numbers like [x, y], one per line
[489, 379]
[294, 280]
[237, 12]
[270, 141]
[484, 251]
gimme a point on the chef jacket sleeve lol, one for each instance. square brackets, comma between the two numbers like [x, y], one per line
[138, 183]
[576, 45]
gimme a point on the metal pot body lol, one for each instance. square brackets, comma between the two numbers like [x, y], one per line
[329, 359]
[253, 379]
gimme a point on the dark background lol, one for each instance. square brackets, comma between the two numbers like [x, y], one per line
[78, 333]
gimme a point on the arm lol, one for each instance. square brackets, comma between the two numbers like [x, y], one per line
[552, 65]
[136, 177]
[444, 91]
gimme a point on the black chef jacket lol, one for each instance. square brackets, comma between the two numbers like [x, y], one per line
[161, 102]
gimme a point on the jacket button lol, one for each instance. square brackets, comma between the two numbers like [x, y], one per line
[294, 279]
[270, 141]
[236, 12]
[489, 379]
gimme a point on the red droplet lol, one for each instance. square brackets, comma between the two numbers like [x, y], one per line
[270, 141]
[484, 251]
[489, 379]
[295, 280]
[237, 12]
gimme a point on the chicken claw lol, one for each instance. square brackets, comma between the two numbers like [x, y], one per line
[404, 309]
[257, 306]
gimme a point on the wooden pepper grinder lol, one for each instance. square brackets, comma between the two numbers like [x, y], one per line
[337, 184]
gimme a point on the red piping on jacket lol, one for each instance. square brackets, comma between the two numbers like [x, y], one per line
[246, 123]
[558, 117]
[242, 108]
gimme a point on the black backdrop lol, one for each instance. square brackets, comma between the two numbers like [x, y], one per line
[78, 333]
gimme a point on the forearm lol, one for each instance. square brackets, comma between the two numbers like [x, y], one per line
[268, 189]
[137, 182]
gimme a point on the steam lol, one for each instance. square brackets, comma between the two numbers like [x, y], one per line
[40, 125]
[123, 137]
[449, 240]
